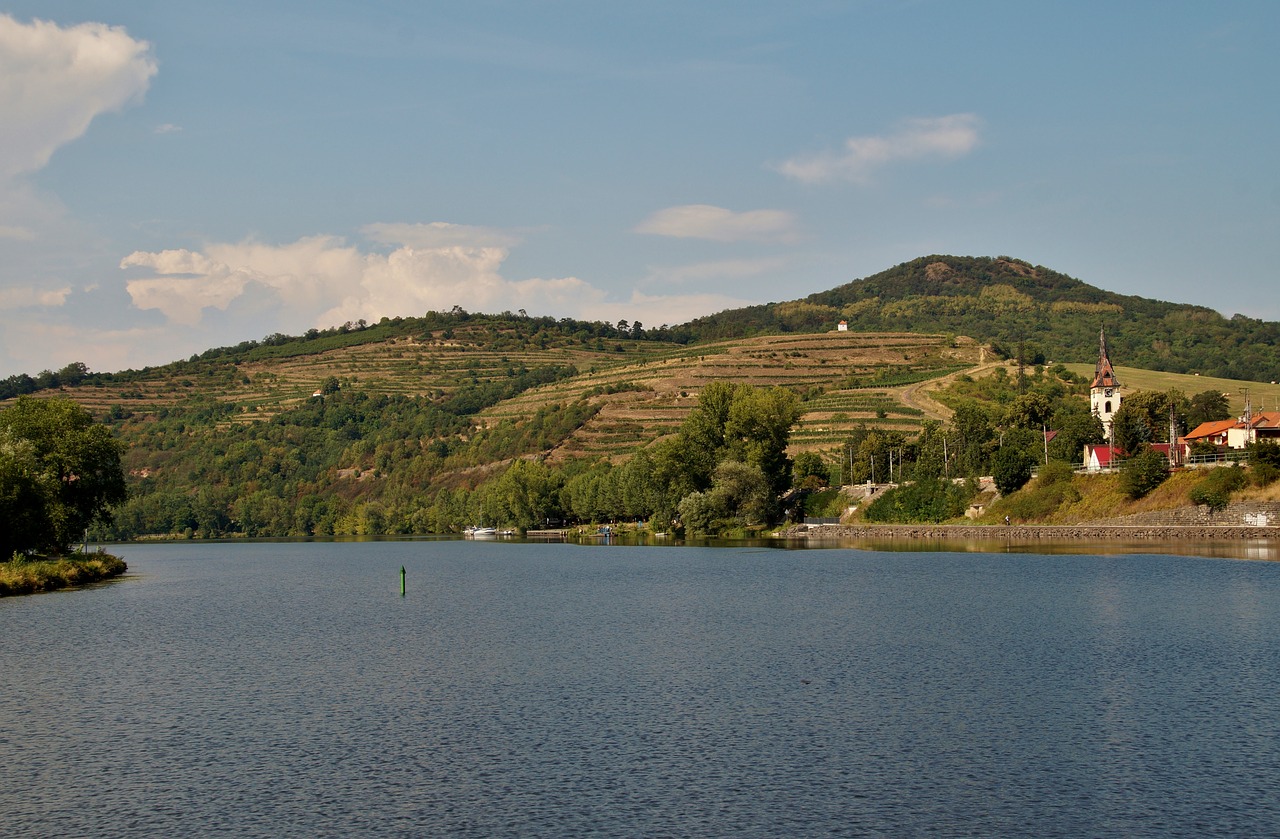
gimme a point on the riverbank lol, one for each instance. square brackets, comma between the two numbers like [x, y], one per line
[1076, 532]
[31, 576]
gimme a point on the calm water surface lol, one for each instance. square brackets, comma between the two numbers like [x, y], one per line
[556, 690]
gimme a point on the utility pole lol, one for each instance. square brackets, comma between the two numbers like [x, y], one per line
[1248, 417]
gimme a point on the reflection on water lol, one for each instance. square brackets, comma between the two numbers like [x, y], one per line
[1263, 549]
[555, 690]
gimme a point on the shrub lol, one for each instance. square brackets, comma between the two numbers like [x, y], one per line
[1265, 457]
[932, 500]
[1055, 472]
[1143, 472]
[1214, 490]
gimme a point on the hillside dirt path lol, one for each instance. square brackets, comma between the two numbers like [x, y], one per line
[919, 395]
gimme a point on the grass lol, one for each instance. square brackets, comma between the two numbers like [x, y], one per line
[1261, 394]
[26, 576]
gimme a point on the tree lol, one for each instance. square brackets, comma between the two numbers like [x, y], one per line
[1076, 429]
[1151, 409]
[1143, 472]
[1030, 410]
[1208, 406]
[1129, 429]
[973, 426]
[809, 472]
[59, 473]
[738, 422]
[1012, 469]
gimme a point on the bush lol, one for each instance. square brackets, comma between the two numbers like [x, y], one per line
[933, 500]
[1055, 472]
[1143, 472]
[1214, 490]
[1040, 501]
[1265, 457]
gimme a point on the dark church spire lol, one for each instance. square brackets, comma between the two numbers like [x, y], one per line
[1103, 374]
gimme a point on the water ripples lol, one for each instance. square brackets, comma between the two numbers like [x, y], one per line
[546, 690]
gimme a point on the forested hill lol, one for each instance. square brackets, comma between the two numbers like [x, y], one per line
[1010, 303]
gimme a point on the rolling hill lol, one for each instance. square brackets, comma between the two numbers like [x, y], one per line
[304, 428]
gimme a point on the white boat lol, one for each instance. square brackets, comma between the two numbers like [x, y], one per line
[480, 532]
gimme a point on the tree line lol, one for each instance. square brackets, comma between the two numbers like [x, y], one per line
[59, 474]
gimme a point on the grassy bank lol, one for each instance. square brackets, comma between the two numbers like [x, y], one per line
[25, 576]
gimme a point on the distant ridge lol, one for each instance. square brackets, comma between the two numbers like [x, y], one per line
[1009, 301]
[1003, 301]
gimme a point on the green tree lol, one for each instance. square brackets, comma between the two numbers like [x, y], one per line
[1208, 406]
[973, 427]
[809, 471]
[1143, 472]
[1129, 429]
[59, 473]
[732, 422]
[1030, 410]
[1076, 429]
[1012, 469]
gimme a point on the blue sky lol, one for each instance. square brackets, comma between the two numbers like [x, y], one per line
[177, 175]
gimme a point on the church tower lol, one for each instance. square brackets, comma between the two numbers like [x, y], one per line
[1104, 393]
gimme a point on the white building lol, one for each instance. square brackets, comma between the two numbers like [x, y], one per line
[1105, 393]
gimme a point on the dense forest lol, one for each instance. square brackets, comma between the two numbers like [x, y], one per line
[427, 471]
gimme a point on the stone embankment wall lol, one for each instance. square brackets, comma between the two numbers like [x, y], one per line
[1240, 514]
[1072, 532]
[1238, 521]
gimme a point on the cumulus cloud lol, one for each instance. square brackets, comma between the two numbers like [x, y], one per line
[934, 138]
[301, 276]
[705, 221]
[25, 298]
[55, 80]
[322, 281]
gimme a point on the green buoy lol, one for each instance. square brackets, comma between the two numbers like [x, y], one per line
[402, 581]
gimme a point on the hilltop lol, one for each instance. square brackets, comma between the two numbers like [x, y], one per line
[1009, 302]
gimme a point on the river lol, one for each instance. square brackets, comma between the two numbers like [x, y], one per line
[288, 689]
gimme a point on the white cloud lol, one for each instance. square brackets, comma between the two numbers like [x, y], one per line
[168, 128]
[55, 80]
[439, 234]
[320, 281]
[944, 138]
[24, 298]
[302, 276]
[704, 221]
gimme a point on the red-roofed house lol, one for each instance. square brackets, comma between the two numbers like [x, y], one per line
[1214, 432]
[1264, 425]
[1236, 433]
[1101, 457]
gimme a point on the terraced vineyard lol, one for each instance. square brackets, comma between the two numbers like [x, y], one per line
[643, 399]
[641, 389]
[429, 365]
